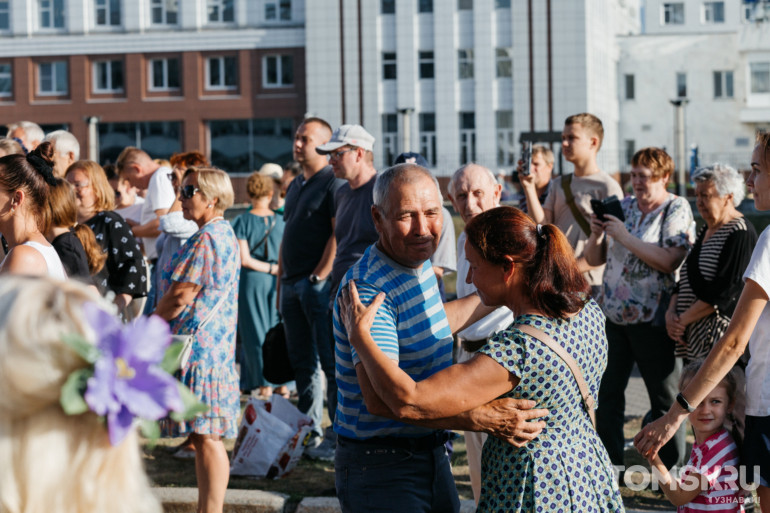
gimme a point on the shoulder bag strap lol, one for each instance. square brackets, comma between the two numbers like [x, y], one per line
[663, 220]
[271, 225]
[566, 185]
[588, 400]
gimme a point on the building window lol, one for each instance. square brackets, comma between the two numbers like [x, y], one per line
[629, 148]
[681, 85]
[240, 145]
[388, 65]
[506, 149]
[6, 82]
[278, 10]
[278, 71]
[389, 138]
[467, 137]
[426, 64]
[52, 78]
[388, 6]
[164, 74]
[713, 12]
[760, 77]
[749, 11]
[51, 13]
[630, 87]
[157, 138]
[164, 12]
[502, 4]
[221, 11]
[673, 13]
[428, 137]
[5, 15]
[108, 76]
[107, 13]
[221, 73]
[723, 84]
[504, 57]
[425, 6]
[465, 63]
[463, 5]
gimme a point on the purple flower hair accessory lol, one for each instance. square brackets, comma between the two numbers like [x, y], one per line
[130, 378]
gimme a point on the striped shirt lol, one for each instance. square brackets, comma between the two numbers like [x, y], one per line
[410, 327]
[717, 460]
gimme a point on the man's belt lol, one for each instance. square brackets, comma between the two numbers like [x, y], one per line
[471, 346]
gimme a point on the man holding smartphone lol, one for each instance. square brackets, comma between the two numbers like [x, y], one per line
[568, 203]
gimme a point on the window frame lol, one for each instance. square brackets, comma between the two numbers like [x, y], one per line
[668, 16]
[52, 12]
[166, 74]
[467, 137]
[163, 6]
[54, 78]
[753, 71]
[279, 8]
[108, 14]
[629, 86]
[428, 137]
[465, 68]
[9, 76]
[726, 87]
[502, 4]
[708, 10]
[109, 63]
[464, 5]
[221, 9]
[504, 137]
[279, 65]
[504, 57]
[389, 66]
[426, 64]
[5, 12]
[681, 84]
[387, 6]
[424, 6]
[222, 60]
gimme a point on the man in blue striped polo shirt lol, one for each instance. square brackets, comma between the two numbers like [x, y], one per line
[383, 464]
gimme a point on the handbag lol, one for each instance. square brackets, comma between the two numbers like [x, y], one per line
[188, 338]
[276, 366]
[659, 317]
[587, 399]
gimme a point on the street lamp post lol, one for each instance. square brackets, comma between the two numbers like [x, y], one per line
[679, 140]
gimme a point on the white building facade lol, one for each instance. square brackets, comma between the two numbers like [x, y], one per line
[714, 54]
[462, 80]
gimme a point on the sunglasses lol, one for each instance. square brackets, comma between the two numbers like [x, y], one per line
[188, 191]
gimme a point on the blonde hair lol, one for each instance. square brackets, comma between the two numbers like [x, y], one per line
[590, 122]
[104, 194]
[259, 185]
[214, 184]
[52, 461]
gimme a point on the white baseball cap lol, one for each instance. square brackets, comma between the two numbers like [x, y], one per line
[348, 135]
[271, 170]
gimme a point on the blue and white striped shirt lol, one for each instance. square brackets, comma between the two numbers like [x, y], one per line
[410, 327]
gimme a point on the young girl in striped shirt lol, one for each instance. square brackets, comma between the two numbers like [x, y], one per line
[709, 481]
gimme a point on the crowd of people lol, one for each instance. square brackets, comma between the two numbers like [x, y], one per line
[556, 303]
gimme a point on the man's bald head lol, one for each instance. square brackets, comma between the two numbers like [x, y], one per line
[473, 189]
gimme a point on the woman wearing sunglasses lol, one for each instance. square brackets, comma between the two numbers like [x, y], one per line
[124, 272]
[199, 294]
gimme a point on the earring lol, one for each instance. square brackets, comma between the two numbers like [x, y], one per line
[208, 206]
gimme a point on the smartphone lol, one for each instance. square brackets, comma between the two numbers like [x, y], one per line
[609, 206]
[526, 158]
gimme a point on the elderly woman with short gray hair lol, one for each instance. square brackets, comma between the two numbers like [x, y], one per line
[710, 282]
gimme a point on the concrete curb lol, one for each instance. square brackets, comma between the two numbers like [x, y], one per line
[185, 500]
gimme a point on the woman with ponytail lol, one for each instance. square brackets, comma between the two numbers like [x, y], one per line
[531, 269]
[24, 189]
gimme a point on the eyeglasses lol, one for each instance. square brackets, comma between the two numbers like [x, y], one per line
[188, 191]
[337, 154]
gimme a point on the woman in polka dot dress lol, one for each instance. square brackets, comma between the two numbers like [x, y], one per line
[532, 270]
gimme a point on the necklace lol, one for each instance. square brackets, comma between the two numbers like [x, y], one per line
[217, 218]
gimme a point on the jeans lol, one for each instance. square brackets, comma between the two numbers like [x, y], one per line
[653, 353]
[374, 478]
[304, 307]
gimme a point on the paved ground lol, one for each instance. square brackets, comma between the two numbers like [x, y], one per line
[637, 402]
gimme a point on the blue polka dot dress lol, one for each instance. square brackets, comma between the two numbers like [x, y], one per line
[566, 468]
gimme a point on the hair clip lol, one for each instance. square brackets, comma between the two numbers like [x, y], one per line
[540, 232]
[129, 376]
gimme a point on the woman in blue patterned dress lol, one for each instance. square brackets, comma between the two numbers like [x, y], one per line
[532, 270]
[203, 275]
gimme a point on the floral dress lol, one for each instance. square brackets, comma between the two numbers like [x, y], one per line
[632, 289]
[209, 258]
[566, 468]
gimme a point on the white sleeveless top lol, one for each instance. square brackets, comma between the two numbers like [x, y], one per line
[52, 260]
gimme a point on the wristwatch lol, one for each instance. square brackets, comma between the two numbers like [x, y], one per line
[314, 278]
[683, 403]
